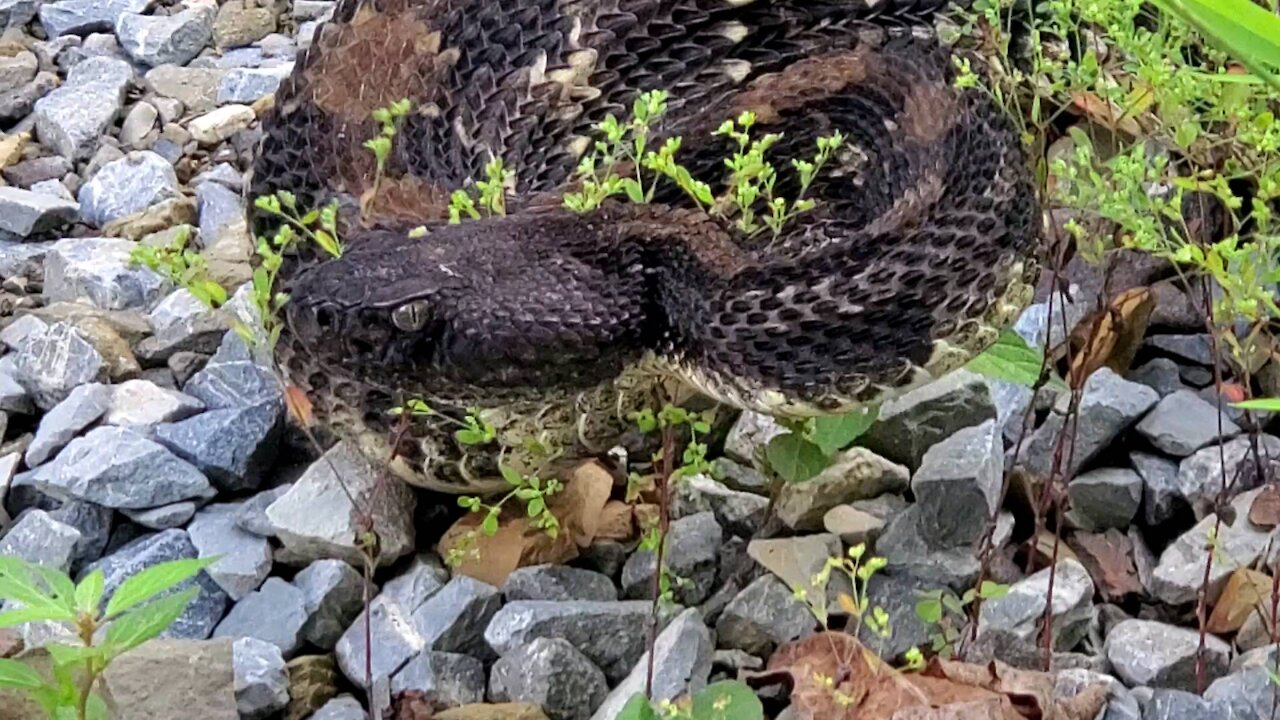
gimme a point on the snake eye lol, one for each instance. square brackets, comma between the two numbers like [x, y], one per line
[410, 316]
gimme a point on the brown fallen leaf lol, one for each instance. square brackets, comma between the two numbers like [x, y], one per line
[298, 404]
[1106, 113]
[1108, 556]
[1110, 337]
[1244, 590]
[834, 677]
[518, 542]
[617, 522]
[1043, 549]
[1265, 510]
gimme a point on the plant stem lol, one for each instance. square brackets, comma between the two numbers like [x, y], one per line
[663, 482]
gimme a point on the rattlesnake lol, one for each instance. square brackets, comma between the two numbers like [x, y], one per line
[922, 244]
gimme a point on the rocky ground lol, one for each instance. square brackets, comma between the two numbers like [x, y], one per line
[136, 429]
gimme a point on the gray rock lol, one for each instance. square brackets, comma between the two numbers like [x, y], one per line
[72, 118]
[558, 582]
[862, 521]
[1168, 704]
[1036, 327]
[795, 560]
[232, 379]
[55, 189]
[38, 538]
[273, 613]
[182, 323]
[313, 9]
[1012, 401]
[682, 664]
[261, 679]
[16, 13]
[1183, 422]
[445, 679]
[907, 553]
[611, 634]
[740, 477]
[245, 559]
[13, 397]
[1121, 704]
[1145, 652]
[252, 516]
[81, 17]
[1161, 494]
[1246, 694]
[1109, 405]
[27, 173]
[909, 425]
[395, 640]
[315, 520]
[123, 187]
[92, 521]
[163, 517]
[196, 88]
[25, 326]
[168, 39]
[118, 468]
[142, 403]
[51, 365]
[764, 615]
[82, 407]
[16, 105]
[454, 619]
[204, 612]
[343, 707]
[1020, 613]
[552, 674]
[137, 124]
[740, 513]
[219, 207]
[223, 174]
[24, 214]
[424, 577]
[1200, 476]
[854, 474]
[1160, 374]
[749, 435]
[98, 271]
[957, 487]
[246, 85]
[1196, 348]
[692, 546]
[23, 261]
[1105, 498]
[17, 70]
[333, 592]
[1180, 572]
[898, 595]
[234, 447]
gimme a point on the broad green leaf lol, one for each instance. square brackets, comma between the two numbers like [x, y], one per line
[929, 610]
[1239, 27]
[96, 708]
[15, 675]
[61, 588]
[18, 582]
[1010, 359]
[490, 524]
[66, 655]
[153, 581]
[1264, 404]
[147, 622]
[637, 708]
[992, 590]
[794, 458]
[834, 433]
[727, 700]
[89, 592]
[12, 618]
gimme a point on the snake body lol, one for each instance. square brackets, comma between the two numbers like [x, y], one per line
[921, 246]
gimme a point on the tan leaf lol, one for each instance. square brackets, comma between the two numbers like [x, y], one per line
[1108, 556]
[617, 522]
[1105, 113]
[1244, 590]
[299, 405]
[1111, 337]
[580, 504]
[1265, 510]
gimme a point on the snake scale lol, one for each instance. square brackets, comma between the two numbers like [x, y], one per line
[921, 246]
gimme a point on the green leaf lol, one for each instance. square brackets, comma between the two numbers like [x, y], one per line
[536, 506]
[992, 590]
[1264, 404]
[12, 618]
[67, 655]
[145, 623]
[637, 708]
[1239, 27]
[833, 433]
[1010, 359]
[17, 582]
[727, 700]
[511, 475]
[89, 592]
[61, 588]
[490, 524]
[153, 581]
[15, 675]
[794, 458]
[929, 610]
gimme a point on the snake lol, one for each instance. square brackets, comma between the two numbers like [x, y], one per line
[556, 326]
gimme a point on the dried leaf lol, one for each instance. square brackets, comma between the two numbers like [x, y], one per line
[1245, 589]
[1265, 511]
[299, 405]
[1111, 337]
[580, 504]
[617, 522]
[1043, 548]
[1105, 113]
[1108, 556]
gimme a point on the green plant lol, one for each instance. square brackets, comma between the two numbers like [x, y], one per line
[808, 446]
[388, 119]
[945, 611]
[723, 700]
[492, 194]
[184, 267]
[139, 610]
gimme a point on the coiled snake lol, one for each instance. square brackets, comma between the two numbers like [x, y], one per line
[921, 246]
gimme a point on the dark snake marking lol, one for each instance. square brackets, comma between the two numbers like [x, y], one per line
[922, 246]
